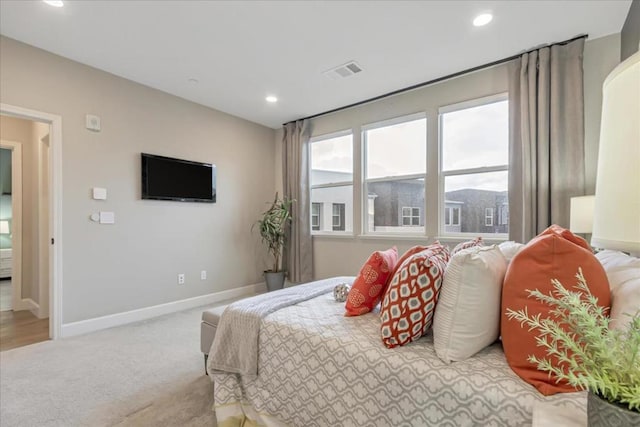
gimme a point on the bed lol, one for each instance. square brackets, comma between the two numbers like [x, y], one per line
[316, 367]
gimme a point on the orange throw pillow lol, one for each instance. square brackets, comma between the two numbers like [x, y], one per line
[368, 288]
[410, 252]
[555, 253]
[410, 301]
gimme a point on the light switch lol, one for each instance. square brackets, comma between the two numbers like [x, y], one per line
[93, 123]
[107, 218]
[99, 193]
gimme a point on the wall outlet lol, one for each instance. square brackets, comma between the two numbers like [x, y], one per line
[203, 275]
[181, 279]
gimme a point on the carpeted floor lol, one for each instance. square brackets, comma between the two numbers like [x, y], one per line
[149, 373]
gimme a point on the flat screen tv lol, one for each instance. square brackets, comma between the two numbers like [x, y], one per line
[166, 178]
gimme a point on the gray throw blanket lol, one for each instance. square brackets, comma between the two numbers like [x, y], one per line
[235, 346]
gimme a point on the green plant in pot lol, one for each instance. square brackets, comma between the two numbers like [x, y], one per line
[590, 356]
[273, 226]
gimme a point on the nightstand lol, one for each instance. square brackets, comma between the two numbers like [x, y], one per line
[6, 260]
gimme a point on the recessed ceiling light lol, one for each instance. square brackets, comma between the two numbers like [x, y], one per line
[482, 19]
[271, 99]
[54, 3]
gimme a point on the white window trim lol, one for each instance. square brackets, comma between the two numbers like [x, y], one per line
[450, 209]
[333, 215]
[318, 215]
[442, 175]
[488, 217]
[420, 230]
[411, 216]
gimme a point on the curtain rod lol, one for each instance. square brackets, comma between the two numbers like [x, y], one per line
[439, 79]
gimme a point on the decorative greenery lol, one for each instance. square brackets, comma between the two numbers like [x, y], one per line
[589, 355]
[273, 226]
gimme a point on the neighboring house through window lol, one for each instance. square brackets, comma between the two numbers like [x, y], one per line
[410, 216]
[332, 183]
[488, 217]
[474, 144]
[316, 212]
[338, 217]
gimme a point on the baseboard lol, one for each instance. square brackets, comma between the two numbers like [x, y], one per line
[118, 319]
[28, 304]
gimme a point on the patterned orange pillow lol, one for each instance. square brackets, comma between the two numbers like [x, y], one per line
[369, 286]
[409, 303]
[466, 245]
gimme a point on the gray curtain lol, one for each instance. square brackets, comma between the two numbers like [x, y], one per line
[546, 138]
[298, 255]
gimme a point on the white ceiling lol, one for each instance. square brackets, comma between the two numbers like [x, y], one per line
[242, 51]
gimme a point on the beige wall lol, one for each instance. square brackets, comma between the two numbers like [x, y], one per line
[134, 263]
[344, 255]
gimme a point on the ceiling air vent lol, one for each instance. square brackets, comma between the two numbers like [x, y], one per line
[344, 70]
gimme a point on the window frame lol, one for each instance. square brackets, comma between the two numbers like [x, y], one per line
[450, 209]
[411, 216]
[421, 115]
[488, 217]
[334, 184]
[442, 174]
[342, 212]
[318, 215]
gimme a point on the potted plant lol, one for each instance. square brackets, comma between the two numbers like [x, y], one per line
[273, 227]
[591, 356]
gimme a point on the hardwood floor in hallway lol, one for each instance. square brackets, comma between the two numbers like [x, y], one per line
[20, 328]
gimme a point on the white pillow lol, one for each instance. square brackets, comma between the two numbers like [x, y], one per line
[467, 317]
[510, 249]
[623, 273]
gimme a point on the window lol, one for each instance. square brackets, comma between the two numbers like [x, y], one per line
[332, 182]
[316, 212]
[338, 217]
[410, 216]
[504, 214]
[488, 217]
[395, 165]
[474, 144]
[452, 216]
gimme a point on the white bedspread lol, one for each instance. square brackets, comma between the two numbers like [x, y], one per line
[235, 346]
[318, 368]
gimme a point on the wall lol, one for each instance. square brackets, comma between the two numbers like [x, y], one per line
[600, 57]
[23, 132]
[631, 32]
[344, 255]
[134, 263]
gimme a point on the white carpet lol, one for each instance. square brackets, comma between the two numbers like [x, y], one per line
[5, 295]
[145, 374]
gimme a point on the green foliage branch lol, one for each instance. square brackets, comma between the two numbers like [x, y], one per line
[590, 355]
[273, 226]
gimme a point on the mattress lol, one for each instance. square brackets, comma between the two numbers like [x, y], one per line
[319, 368]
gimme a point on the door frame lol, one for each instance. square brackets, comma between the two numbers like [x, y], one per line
[55, 208]
[16, 224]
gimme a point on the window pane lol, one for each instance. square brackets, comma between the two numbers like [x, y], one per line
[332, 160]
[476, 137]
[392, 204]
[477, 196]
[336, 206]
[396, 150]
[316, 209]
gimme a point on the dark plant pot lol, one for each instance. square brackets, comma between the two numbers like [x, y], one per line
[601, 413]
[275, 280]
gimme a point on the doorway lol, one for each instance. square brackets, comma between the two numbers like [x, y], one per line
[29, 208]
[24, 219]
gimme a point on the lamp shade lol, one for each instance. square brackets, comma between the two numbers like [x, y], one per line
[581, 220]
[4, 227]
[616, 221]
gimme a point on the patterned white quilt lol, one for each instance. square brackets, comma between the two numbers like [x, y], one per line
[319, 368]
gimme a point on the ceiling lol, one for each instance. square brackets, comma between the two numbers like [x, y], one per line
[241, 51]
